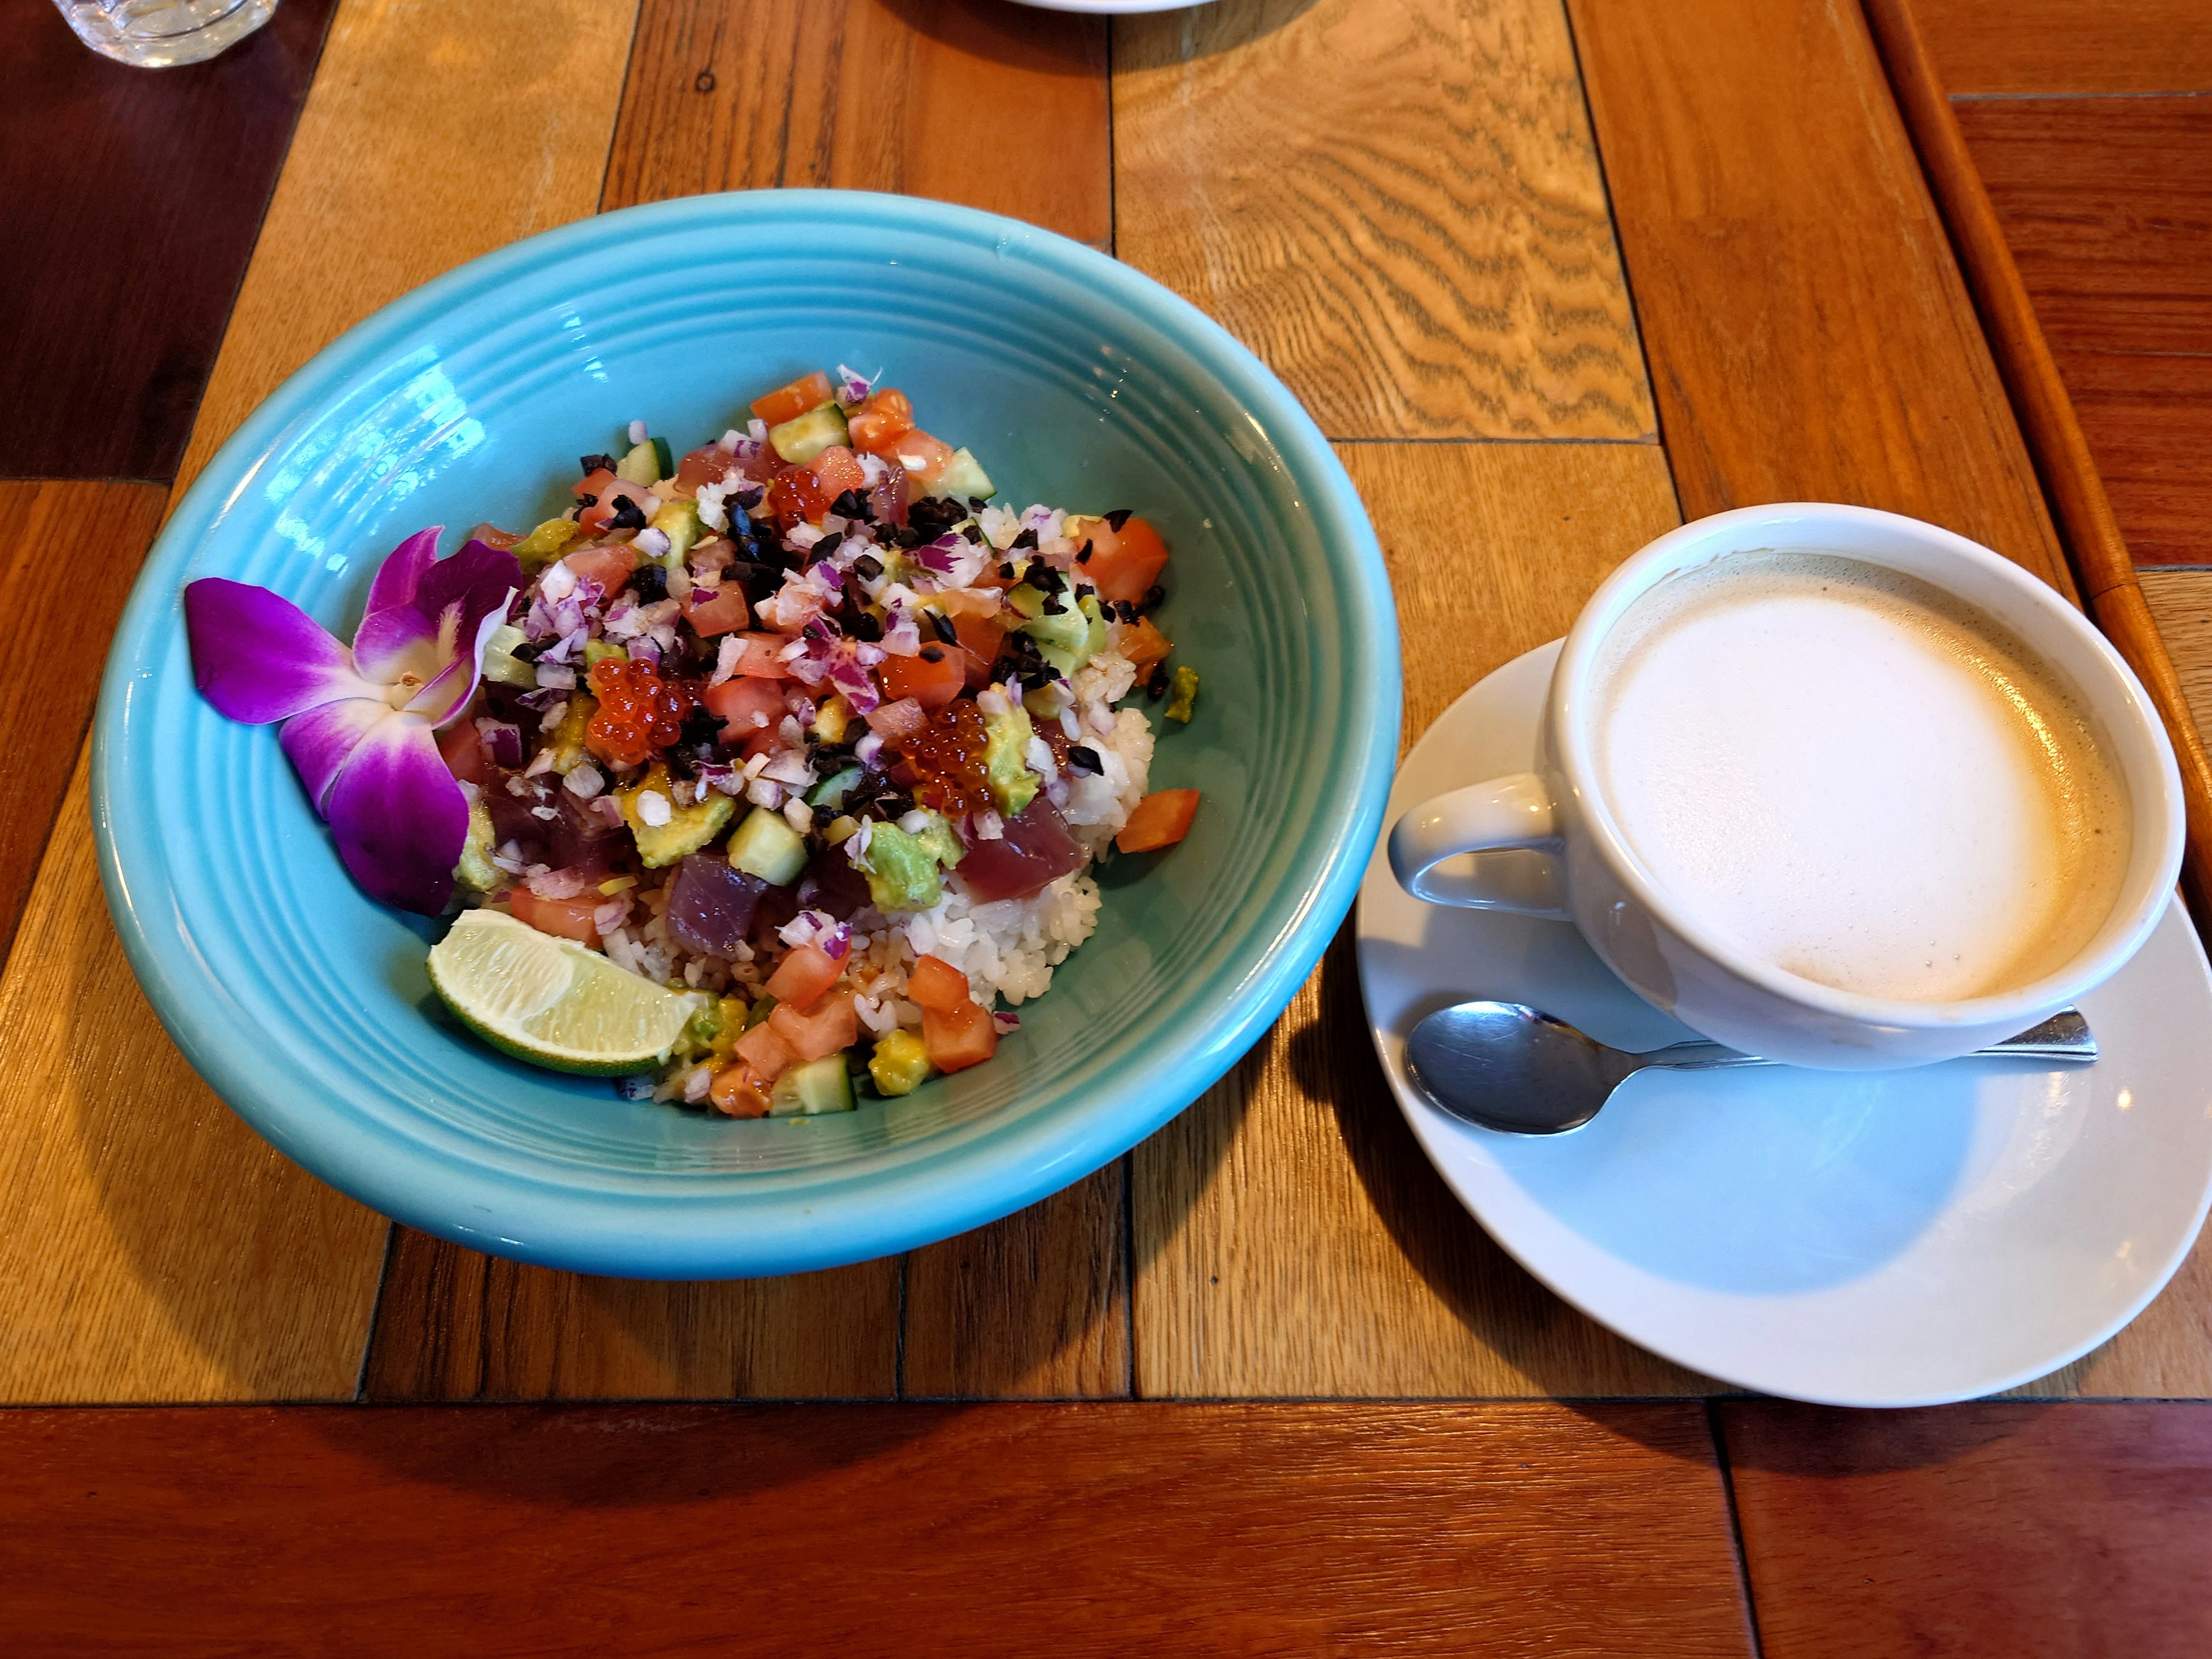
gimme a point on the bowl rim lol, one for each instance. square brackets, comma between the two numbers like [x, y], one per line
[718, 1235]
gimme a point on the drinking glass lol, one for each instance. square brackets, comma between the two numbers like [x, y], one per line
[160, 33]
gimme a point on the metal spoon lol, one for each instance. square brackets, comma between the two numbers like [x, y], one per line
[1505, 1066]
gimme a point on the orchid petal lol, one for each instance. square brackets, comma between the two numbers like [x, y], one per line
[422, 636]
[448, 694]
[258, 657]
[320, 741]
[399, 818]
[402, 570]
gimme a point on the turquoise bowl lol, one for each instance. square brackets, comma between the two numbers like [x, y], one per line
[1077, 382]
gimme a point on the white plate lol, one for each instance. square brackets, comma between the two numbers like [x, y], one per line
[1896, 1239]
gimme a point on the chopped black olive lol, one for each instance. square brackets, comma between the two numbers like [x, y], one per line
[587, 501]
[867, 567]
[1155, 596]
[853, 504]
[932, 653]
[1054, 605]
[1157, 687]
[1120, 516]
[587, 465]
[1027, 538]
[976, 503]
[942, 625]
[699, 728]
[1083, 557]
[650, 583]
[1125, 609]
[629, 516]
[866, 627]
[527, 652]
[1081, 757]
[974, 532]
[933, 516]
[1006, 571]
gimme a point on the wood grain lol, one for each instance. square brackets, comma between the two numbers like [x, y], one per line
[2182, 602]
[72, 549]
[991, 106]
[1093, 1530]
[1291, 1238]
[2097, 553]
[130, 208]
[456, 1324]
[1810, 334]
[432, 134]
[2037, 1531]
[2068, 45]
[151, 1247]
[1033, 1307]
[157, 1249]
[1394, 202]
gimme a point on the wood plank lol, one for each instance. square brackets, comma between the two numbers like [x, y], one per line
[102, 358]
[428, 136]
[1291, 1238]
[1396, 202]
[2148, 422]
[2038, 1532]
[1100, 1529]
[994, 106]
[72, 548]
[2182, 602]
[1036, 1306]
[151, 1246]
[1810, 334]
[456, 1324]
[2010, 47]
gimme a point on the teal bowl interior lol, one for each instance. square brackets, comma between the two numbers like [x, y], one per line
[1078, 383]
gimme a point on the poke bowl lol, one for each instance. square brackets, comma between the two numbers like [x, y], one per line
[309, 1006]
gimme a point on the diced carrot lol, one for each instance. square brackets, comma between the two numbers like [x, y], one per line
[738, 1093]
[567, 918]
[932, 679]
[921, 455]
[788, 403]
[801, 978]
[765, 1049]
[898, 722]
[879, 422]
[609, 566]
[1145, 645]
[837, 469]
[958, 1040]
[746, 708]
[462, 747]
[1124, 563]
[936, 983]
[979, 639]
[723, 609]
[831, 1028]
[1158, 820]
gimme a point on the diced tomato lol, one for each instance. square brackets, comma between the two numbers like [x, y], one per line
[492, 536]
[979, 639]
[797, 496]
[595, 481]
[763, 658]
[1158, 820]
[738, 1093]
[723, 609]
[600, 513]
[1145, 645]
[833, 1026]
[609, 566]
[747, 707]
[930, 684]
[462, 747]
[956, 1040]
[879, 422]
[801, 978]
[898, 722]
[788, 403]
[709, 463]
[837, 469]
[764, 1050]
[921, 455]
[567, 918]
[936, 983]
[1124, 563]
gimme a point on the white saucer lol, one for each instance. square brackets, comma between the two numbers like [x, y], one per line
[1896, 1239]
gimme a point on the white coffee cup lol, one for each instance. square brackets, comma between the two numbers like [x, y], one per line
[1556, 847]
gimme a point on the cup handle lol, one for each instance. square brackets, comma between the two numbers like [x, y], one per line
[1506, 814]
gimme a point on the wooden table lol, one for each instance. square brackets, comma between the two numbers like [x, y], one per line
[1581, 271]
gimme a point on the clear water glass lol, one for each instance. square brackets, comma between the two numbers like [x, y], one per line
[160, 33]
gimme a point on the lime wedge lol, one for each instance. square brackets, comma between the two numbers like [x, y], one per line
[552, 1002]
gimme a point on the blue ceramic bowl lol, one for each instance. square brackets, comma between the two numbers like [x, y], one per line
[1077, 382]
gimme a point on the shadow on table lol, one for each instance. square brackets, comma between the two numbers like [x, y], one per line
[1034, 38]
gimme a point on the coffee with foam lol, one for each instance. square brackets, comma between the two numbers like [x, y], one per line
[1851, 775]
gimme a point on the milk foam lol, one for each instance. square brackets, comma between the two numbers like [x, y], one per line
[1830, 764]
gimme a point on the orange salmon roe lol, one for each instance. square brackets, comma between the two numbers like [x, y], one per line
[639, 712]
[948, 759]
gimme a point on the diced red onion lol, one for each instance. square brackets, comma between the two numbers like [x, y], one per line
[584, 781]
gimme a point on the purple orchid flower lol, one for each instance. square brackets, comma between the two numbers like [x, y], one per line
[360, 723]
